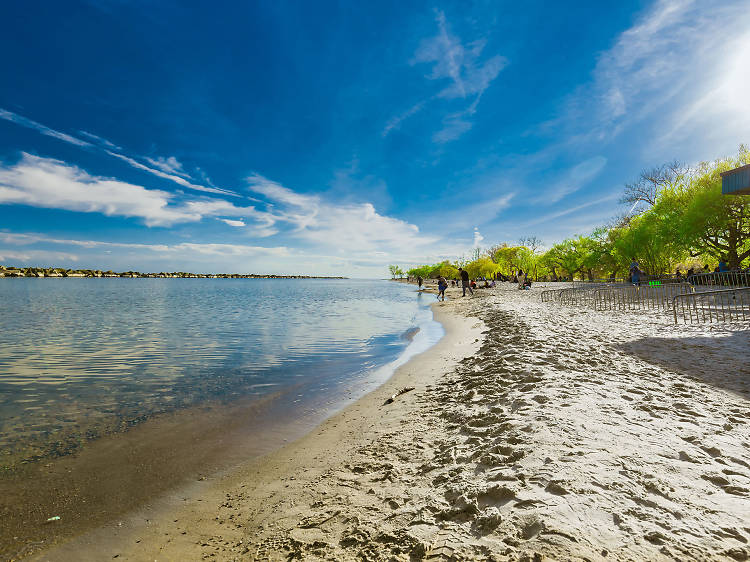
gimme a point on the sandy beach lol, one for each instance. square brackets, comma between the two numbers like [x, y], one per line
[533, 431]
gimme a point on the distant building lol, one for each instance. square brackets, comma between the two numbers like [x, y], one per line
[736, 182]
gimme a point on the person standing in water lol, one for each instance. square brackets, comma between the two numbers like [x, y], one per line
[419, 282]
[465, 281]
[442, 286]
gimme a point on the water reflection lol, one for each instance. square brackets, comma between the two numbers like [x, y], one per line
[83, 357]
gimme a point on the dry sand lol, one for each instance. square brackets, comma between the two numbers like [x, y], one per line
[533, 431]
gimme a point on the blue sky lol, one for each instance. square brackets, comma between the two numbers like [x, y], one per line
[336, 138]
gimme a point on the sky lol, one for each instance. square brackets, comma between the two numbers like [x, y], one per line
[336, 138]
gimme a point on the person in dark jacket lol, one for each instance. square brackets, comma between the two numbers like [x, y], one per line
[465, 281]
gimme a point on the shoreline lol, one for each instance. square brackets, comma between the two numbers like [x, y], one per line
[533, 431]
[161, 528]
[119, 472]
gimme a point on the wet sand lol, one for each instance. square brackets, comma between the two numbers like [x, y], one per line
[534, 430]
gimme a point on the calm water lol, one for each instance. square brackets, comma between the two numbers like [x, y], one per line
[83, 357]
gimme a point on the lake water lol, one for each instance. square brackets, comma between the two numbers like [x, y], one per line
[82, 358]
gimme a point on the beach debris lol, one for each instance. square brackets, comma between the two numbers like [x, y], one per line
[398, 393]
[53, 518]
[317, 519]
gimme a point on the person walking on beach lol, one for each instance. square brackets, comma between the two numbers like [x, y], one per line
[442, 286]
[521, 278]
[419, 282]
[465, 281]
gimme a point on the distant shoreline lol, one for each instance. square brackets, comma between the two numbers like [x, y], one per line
[15, 272]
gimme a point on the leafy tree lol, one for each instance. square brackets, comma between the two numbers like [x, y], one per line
[715, 224]
[507, 257]
[571, 256]
[481, 267]
[646, 189]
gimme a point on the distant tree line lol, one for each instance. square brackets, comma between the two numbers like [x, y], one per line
[11, 271]
[677, 217]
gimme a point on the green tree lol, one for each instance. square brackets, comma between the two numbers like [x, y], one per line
[481, 267]
[712, 223]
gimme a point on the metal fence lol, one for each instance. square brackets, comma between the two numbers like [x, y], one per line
[721, 279]
[723, 305]
[550, 295]
[639, 297]
[586, 282]
[705, 297]
[568, 295]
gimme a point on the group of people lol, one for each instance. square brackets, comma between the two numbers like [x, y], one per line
[467, 284]
[636, 272]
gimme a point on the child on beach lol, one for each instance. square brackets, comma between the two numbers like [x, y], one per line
[442, 286]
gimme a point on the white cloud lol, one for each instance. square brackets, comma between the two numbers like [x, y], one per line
[36, 257]
[467, 73]
[573, 180]
[169, 165]
[22, 239]
[677, 78]
[477, 237]
[28, 123]
[168, 168]
[395, 122]
[278, 193]
[236, 223]
[453, 127]
[43, 182]
[224, 250]
[49, 183]
[341, 228]
[99, 140]
[171, 177]
[572, 210]
[458, 63]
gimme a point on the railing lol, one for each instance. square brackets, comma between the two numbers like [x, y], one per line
[550, 295]
[725, 305]
[572, 295]
[600, 281]
[639, 297]
[577, 295]
[721, 279]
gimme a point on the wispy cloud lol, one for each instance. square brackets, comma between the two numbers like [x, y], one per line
[166, 168]
[236, 223]
[23, 239]
[29, 124]
[36, 257]
[467, 72]
[171, 177]
[49, 183]
[336, 227]
[460, 64]
[573, 180]
[275, 192]
[169, 165]
[395, 122]
[678, 78]
[99, 140]
[571, 210]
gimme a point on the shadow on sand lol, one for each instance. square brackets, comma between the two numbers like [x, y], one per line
[721, 360]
